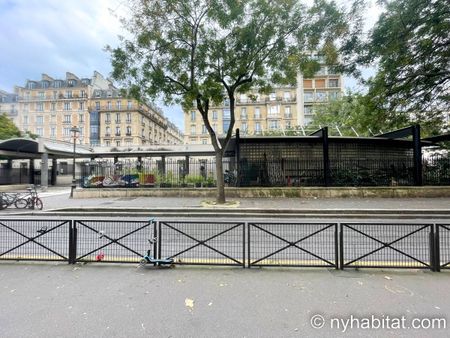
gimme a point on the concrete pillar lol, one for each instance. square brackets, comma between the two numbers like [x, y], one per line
[54, 171]
[31, 171]
[44, 171]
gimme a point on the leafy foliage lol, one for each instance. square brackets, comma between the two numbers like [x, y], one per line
[7, 128]
[411, 44]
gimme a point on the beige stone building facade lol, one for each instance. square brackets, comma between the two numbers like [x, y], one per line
[280, 110]
[9, 105]
[51, 107]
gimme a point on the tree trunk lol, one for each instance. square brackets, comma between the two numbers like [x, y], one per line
[220, 181]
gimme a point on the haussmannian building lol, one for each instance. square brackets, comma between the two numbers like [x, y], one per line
[9, 105]
[280, 110]
[50, 108]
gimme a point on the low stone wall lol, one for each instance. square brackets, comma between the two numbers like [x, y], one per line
[318, 192]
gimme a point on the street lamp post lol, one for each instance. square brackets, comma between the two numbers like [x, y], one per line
[74, 130]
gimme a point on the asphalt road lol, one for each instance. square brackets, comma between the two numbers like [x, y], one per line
[59, 300]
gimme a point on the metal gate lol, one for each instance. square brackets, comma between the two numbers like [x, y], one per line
[113, 241]
[202, 243]
[35, 240]
[375, 245]
[293, 244]
[442, 246]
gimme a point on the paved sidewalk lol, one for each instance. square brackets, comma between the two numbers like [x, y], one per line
[58, 300]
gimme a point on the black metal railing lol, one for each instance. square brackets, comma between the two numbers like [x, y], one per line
[202, 243]
[35, 240]
[366, 245]
[112, 241]
[243, 244]
[293, 244]
[442, 246]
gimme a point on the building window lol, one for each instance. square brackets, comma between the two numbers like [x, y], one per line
[108, 118]
[308, 96]
[109, 105]
[25, 120]
[53, 106]
[39, 106]
[108, 132]
[81, 106]
[288, 124]
[214, 115]
[333, 83]
[67, 106]
[272, 96]
[40, 120]
[66, 131]
[244, 127]
[143, 133]
[41, 95]
[55, 95]
[308, 110]
[52, 131]
[118, 143]
[128, 131]
[68, 94]
[129, 105]
[258, 128]
[257, 113]
[83, 93]
[273, 111]
[226, 125]
[97, 105]
[31, 85]
[214, 127]
[193, 130]
[117, 117]
[81, 118]
[287, 112]
[119, 105]
[108, 143]
[192, 115]
[204, 131]
[287, 96]
[117, 131]
[26, 108]
[321, 96]
[67, 119]
[273, 124]
[243, 113]
[204, 141]
[128, 117]
[39, 131]
[333, 96]
[226, 114]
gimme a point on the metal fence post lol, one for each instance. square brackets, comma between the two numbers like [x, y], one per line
[72, 242]
[1, 200]
[238, 159]
[336, 245]
[341, 247]
[248, 246]
[432, 249]
[159, 240]
[417, 155]
[243, 244]
[437, 249]
[155, 236]
[326, 158]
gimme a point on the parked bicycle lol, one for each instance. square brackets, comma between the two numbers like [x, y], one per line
[8, 199]
[30, 200]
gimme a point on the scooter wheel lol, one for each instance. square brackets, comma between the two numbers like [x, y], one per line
[142, 262]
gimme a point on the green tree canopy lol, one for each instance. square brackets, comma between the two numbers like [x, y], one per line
[7, 128]
[199, 52]
[410, 43]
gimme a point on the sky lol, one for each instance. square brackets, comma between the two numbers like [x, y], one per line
[59, 36]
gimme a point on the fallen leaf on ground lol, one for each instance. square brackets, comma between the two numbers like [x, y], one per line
[189, 303]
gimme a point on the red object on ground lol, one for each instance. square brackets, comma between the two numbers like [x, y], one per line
[100, 257]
